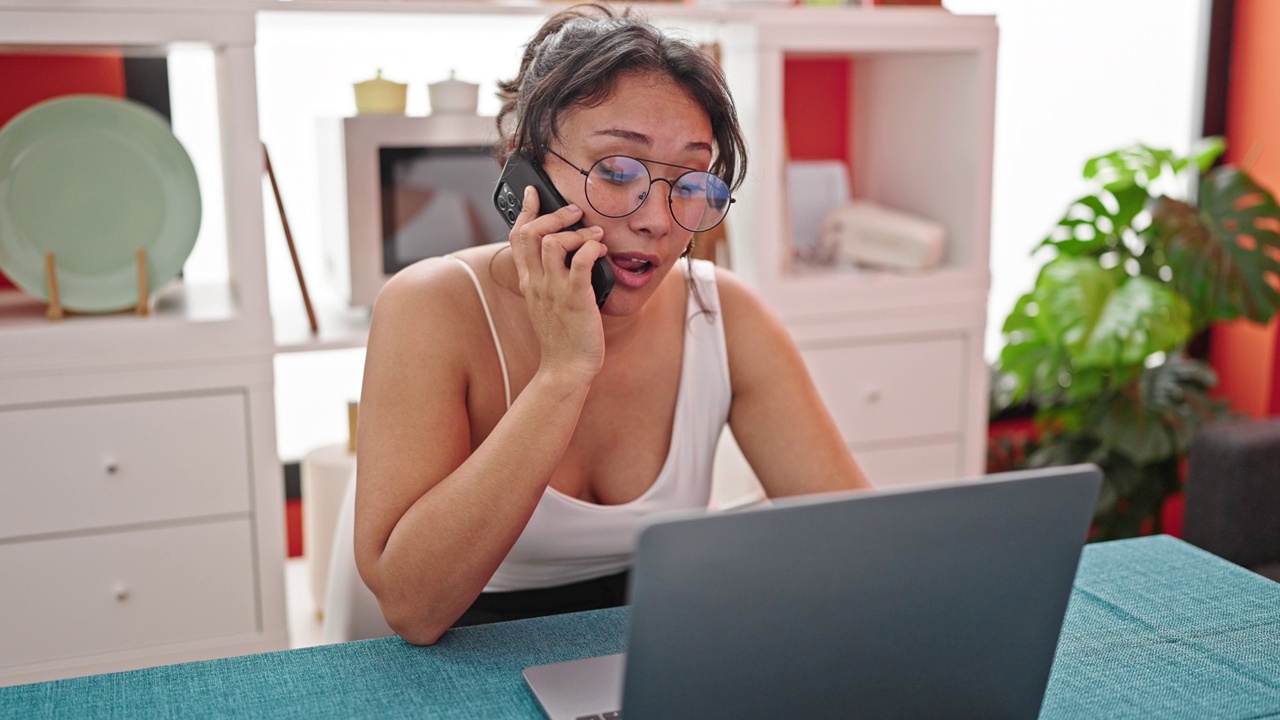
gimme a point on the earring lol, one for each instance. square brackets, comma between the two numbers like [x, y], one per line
[689, 250]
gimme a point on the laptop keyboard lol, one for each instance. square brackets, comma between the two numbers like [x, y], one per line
[613, 715]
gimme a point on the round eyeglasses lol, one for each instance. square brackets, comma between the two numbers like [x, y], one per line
[618, 185]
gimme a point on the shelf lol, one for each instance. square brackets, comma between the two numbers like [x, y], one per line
[186, 321]
[340, 327]
[62, 24]
[905, 103]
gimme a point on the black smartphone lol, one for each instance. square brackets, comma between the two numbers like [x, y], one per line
[523, 170]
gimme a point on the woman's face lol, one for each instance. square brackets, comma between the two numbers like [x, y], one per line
[648, 116]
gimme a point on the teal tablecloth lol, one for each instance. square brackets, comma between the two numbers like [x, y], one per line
[1156, 628]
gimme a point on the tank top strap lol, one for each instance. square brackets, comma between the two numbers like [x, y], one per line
[493, 329]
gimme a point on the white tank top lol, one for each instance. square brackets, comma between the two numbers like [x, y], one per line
[568, 540]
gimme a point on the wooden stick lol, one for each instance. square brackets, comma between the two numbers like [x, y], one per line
[51, 281]
[293, 251]
[144, 294]
[352, 413]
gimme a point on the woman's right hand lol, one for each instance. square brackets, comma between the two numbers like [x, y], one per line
[560, 300]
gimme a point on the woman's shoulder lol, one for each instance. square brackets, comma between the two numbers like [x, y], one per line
[442, 281]
[437, 293]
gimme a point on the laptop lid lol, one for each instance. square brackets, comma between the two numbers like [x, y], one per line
[938, 600]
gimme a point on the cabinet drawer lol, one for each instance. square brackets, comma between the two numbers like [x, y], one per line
[96, 465]
[888, 467]
[892, 390]
[73, 597]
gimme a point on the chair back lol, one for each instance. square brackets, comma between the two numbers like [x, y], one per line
[1233, 494]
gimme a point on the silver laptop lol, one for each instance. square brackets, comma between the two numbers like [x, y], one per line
[943, 600]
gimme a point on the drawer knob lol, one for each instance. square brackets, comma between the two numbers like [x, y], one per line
[874, 395]
[121, 591]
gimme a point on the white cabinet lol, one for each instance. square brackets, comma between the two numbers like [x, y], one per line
[141, 513]
[112, 595]
[123, 461]
[897, 356]
[887, 390]
[141, 499]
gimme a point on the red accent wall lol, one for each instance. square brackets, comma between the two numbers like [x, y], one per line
[816, 107]
[1247, 355]
[30, 79]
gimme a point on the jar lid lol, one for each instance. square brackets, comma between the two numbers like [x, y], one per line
[452, 82]
[380, 96]
[380, 82]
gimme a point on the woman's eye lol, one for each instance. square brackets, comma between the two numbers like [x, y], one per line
[686, 190]
[618, 172]
[617, 175]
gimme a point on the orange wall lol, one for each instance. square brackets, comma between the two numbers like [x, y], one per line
[1247, 355]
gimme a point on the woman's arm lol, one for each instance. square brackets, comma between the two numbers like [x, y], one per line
[778, 419]
[434, 519]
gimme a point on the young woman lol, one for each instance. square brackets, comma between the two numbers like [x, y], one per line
[513, 435]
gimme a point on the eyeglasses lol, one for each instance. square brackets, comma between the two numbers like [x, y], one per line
[618, 185]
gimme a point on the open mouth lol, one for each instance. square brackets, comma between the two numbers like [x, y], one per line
[635, 266]
[633, 270]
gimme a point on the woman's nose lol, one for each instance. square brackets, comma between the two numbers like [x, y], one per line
[654, 214]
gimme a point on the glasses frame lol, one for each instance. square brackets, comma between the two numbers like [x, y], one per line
[671, 184]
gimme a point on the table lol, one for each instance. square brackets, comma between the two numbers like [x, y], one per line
[1155, 628]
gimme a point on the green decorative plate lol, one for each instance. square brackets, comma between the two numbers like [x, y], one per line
[94, 179]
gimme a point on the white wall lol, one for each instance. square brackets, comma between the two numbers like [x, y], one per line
[1077, 78]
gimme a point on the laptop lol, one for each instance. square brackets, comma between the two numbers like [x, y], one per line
[940, 600]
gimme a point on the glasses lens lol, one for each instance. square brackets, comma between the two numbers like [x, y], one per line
[699, 201]
[617, 185]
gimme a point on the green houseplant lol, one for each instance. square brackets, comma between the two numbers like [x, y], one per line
[1137, 268]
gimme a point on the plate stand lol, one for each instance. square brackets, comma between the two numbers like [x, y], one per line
[56, 312]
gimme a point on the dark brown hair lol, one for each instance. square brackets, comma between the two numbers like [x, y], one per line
[577, 57]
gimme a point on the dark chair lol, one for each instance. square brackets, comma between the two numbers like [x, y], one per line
[1233, 494]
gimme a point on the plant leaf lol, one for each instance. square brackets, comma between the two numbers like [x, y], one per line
[1141, 317]
[1206, 152]
[1031, 359]
[1225, 259]
[1135, 165]
[1095, 224]
[1155, 418]
[1105, 318]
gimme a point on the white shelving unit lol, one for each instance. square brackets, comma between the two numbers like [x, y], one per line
[141, 501]
[898, 357]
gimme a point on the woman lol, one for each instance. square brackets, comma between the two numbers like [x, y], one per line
[512, 435]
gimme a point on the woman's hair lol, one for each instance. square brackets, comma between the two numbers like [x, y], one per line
[576, 58]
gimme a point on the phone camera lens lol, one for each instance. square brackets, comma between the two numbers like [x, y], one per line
[502, 202]
[511, 199]
[511, 215]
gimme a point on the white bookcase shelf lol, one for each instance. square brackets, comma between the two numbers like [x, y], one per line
[137, 418]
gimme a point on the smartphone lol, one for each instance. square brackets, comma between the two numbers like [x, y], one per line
[523, 170]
